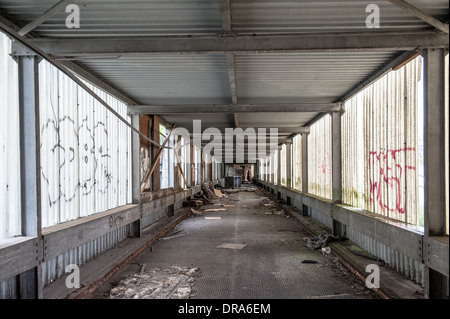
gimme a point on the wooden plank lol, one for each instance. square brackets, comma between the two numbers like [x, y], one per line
[62, 238]
[102, 268]
[156, 160]
[18, 255]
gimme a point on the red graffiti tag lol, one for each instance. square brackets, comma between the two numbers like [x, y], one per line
[390, 173]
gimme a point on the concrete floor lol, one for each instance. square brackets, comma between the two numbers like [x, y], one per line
[269, 267]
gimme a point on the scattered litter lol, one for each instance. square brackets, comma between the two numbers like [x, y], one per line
[232, 246]
[208, 191]
[326, 251]
[193, 203]
[224, 205]
[218, 193]
[179, 235]
[319, 241]
[209, 202]
[212, 218]
[140, 274]
[214, 209]
[268, 205]
[308, 261]
[278, 212]
[174, 282]
[196, 212]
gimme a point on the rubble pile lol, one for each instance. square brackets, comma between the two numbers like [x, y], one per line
[174, 282]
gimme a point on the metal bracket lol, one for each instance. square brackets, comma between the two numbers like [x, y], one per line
[20, 49]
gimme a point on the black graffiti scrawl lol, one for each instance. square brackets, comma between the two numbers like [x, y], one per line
[69, 150]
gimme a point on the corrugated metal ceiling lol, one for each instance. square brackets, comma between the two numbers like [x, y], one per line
[204, 79]
[267, 16]
[303, 77]
[168, 79]
[168, 17]
[118, 17]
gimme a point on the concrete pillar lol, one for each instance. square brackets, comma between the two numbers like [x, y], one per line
[434, 162]
[30, 282]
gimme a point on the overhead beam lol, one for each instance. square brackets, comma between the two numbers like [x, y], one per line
[232, 109]
[421, 15]
[244, 44]
[225, 14]
[45, 16]
[232, 79]
[223, 127]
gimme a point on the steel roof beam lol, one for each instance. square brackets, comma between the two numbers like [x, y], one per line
[243, 44]
[232, 109]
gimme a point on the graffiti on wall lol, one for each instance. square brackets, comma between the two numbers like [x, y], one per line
[74, 158]
[389, 176]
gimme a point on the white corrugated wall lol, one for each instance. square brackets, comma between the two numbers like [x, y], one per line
[85, 164]
[380, 145]
[297, 162]
[10, 207]
[319, 158]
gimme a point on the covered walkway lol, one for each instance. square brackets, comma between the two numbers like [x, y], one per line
[274, 264]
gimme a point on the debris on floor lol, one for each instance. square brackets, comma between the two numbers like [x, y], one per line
[215, 209]
[326, 251]
[307, 261]
[193, 203]
[174, 235]
[195, 213]
[209, 193]
[174, 282]
[218, 193]
[320, 241]
[213, 218]
[232, 246]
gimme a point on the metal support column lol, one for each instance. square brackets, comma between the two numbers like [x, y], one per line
[29, 283]
[338, 228]
[288, 165]
[305, 170]
[434, 162]
[305, 163]
[135, 173]
[279, 165]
